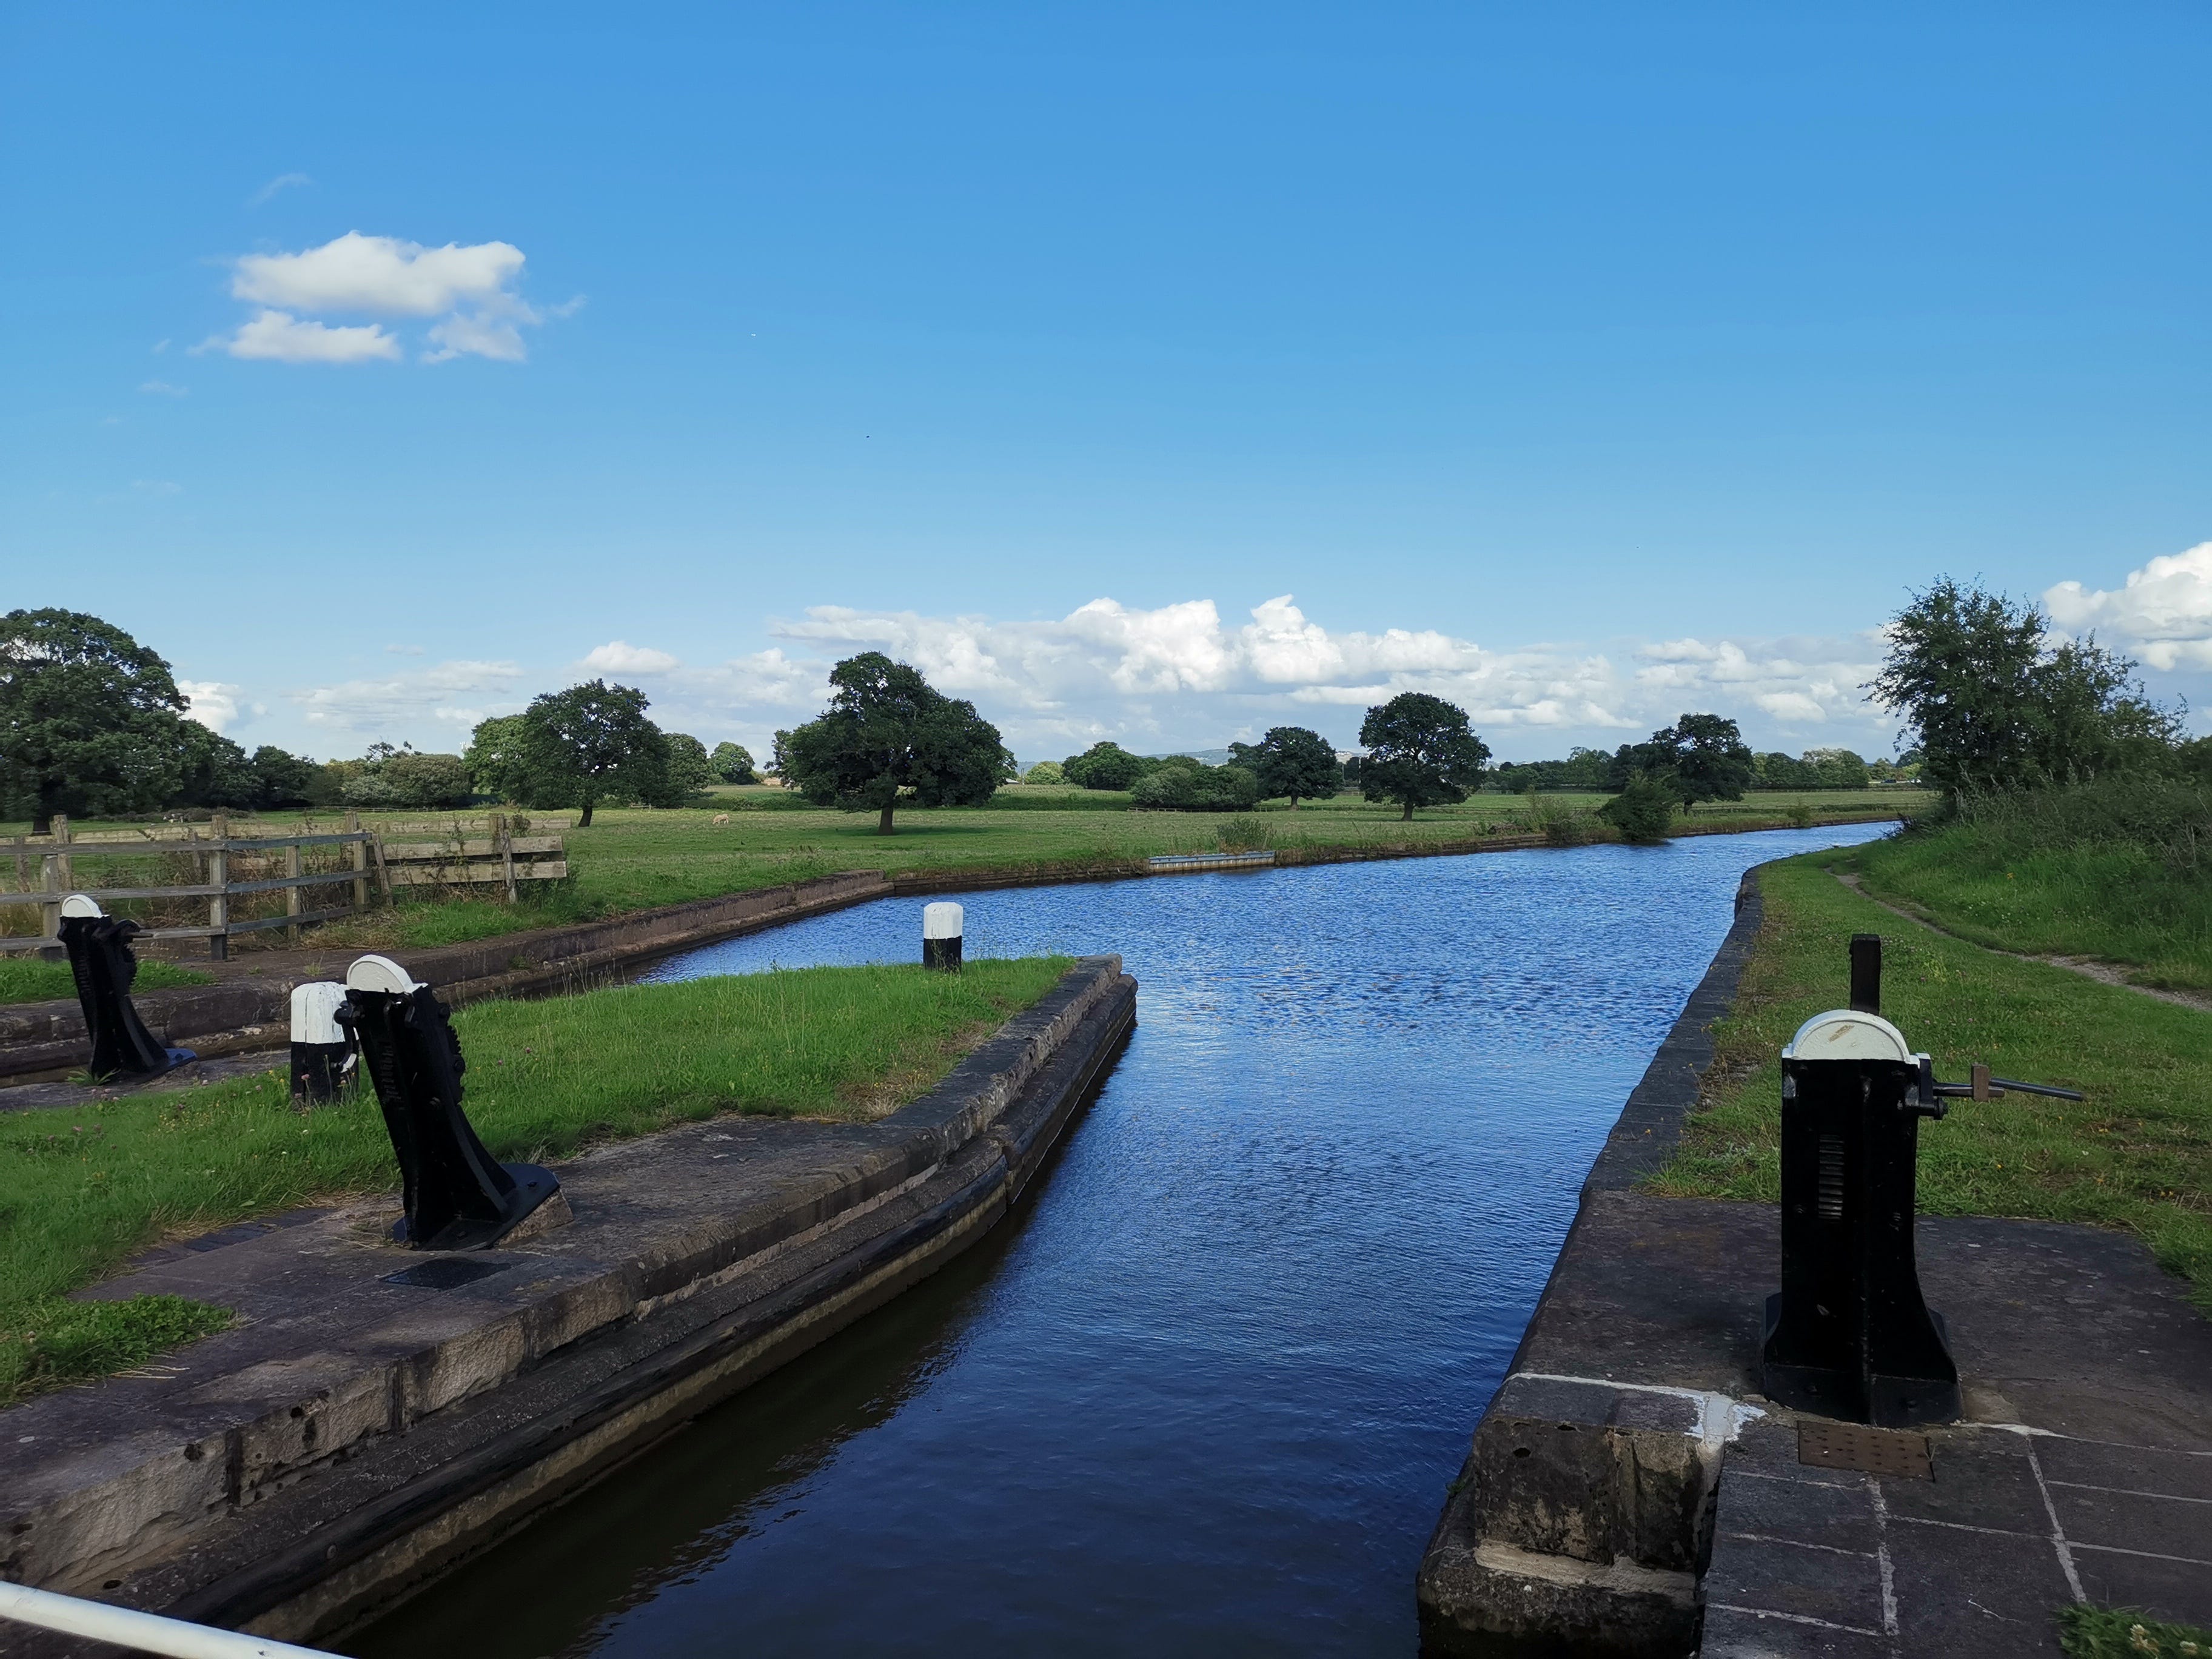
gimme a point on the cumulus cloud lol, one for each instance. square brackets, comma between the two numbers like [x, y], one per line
[278, 336]
[2163, 610]
[452, 694]
[381, 275]
[621, 656]
[1179, 673]
[212, 703]
[471, 289]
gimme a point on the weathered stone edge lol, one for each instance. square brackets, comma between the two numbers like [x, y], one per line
[153, 1481]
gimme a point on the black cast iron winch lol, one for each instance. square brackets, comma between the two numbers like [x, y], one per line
[1850, 1336]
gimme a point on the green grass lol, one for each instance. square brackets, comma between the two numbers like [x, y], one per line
[2068, 872]
[82, 1189]
[637, 859]
[2137, 1154]
[2090, 1633]
[23, 980]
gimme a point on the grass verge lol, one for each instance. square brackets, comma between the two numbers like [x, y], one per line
[2119, 872]
[2137, 1154]
[23, 980]
[81, 1190]
[2090, 1633]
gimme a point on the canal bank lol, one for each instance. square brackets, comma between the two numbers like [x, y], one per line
[245, 1013]
[1629, 1490]
[1206, 1392]
[378, 1414]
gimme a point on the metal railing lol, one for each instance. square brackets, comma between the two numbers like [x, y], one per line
[148, 1632]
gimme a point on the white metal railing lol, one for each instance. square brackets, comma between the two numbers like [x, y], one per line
[148, 1632]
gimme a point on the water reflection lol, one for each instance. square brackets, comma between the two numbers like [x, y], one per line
[1204, 1396]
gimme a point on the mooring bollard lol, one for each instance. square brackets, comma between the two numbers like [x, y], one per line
[940, 937]
[322, 1059]
[1850, 1335]
[458, 1197]
[103, 965]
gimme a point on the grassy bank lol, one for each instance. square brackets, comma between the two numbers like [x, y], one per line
[2120, 873]
[2137, 1153]
[25, 980]
[633, 860]
[81, 1190]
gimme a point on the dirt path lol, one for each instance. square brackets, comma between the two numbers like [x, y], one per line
[2103, 972]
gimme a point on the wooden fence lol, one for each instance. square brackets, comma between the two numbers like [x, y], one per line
[460, 858]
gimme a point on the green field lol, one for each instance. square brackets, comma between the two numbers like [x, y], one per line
[636, 858]
[83, 1189]
[25, 980]
[2137, 1153]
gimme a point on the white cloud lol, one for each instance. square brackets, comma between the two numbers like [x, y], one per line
[163, 389]
[470, 289]
[621, 656]
[380, 275]
[212, 703]
[404, 650]
[278, 337]
[2164, 610]
[281, 181]
[156, 487]
[454, 694]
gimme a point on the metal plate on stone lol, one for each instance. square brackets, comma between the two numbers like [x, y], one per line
[446, 1273]
[1828, 1445]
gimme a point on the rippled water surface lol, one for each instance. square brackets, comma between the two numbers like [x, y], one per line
[1204, 1395]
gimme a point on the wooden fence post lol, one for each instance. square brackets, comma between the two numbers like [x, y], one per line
[54, 872]
[295, 897]
[219, 879]
[359, 853]
[503, 838]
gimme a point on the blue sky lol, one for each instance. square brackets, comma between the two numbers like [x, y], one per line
[1160, 373]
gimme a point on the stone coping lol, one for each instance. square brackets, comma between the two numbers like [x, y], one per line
[1630, 1417]
[138, 1488]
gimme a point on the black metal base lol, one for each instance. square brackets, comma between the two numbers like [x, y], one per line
[320, 1070]
[533, 1185]
[942, 954]
[1890, 1402]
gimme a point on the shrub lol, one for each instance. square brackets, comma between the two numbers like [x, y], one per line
[1242, 834]
[1046, 772]
[434, 780]
[1184, 785]
[1643, 811]
[1552, 819]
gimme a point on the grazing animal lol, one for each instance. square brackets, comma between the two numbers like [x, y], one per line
[721, 818]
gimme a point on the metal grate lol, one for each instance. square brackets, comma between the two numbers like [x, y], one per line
[1826, 1445]
[1831, 1177]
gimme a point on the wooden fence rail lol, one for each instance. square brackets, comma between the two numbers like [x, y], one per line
[461, 858]
[56, 855]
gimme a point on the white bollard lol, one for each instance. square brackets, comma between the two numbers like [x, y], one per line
[940, 937]
[322, 1059]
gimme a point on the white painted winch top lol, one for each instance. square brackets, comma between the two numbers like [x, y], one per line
[315, 1012]
[78, 905]
[1847, 1033]
[375, 973]
[940, 920]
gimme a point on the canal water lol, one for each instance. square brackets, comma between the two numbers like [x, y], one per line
[1205, 1393]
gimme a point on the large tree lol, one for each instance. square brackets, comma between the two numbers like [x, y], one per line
[1291, 762]
[1107, 766]
[1703, 758]
[1996, 703]
[591, 743]
[888, 737]
[90, 721]
[1420, 752]
[734, 763]
[690, 769]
